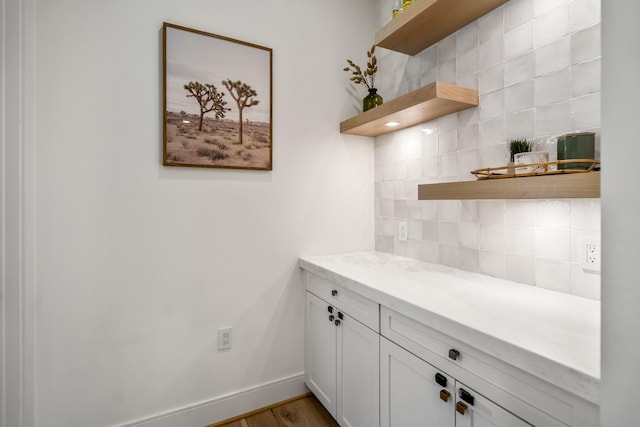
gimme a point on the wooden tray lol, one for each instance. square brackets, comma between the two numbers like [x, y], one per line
[511, 171]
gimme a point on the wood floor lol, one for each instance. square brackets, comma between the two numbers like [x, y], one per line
[305, 411]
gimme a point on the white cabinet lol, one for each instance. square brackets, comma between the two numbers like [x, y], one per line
[415, 393]
[342, 358]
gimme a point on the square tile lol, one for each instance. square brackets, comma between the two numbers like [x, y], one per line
[494, 155]
[520, 212]
[446, 49]
[491, 79]
[468, 235]
[585, 45]
[469, 259]
[584, 13]
[521, 269]
[448, 141]
[521, 240]
[430, 252]
[553, 57]
[491, 52]
[468, 210]
[519, 69]
[448, 164]
[517, 12]
[468, 137]
[519, 40]
[553, 244]
[553, 275]
[552, 25]
[491, 132]
[585, 284]
[493, 264]
[553, 119]
[430, 231]
[586, 214]
[585, 112]
[448, 255]
[448, 210]
[520, 125]
[553, 88]
[491, 25]
[492, 237]
[467, 63]
[542, 6]
[519, 97]
[467, 38]
[447, 72]
[491, 105]
[585, 78]
[553, 214]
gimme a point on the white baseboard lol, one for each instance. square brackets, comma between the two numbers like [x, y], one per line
[226, 406]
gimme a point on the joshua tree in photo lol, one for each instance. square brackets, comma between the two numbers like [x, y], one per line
[208, 98]
[243, 95]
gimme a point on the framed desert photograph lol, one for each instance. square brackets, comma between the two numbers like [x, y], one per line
[217, 101]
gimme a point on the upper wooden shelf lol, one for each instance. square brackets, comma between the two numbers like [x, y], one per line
[429, 21]
[561, 186]
[421, 105]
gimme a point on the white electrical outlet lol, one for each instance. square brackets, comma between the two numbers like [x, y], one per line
[590, 254]
[224, 338]
[403, 231]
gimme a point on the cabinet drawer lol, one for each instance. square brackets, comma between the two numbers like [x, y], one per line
[505, 384]
[360, 308]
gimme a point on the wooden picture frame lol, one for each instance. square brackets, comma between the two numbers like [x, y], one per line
[217, 101]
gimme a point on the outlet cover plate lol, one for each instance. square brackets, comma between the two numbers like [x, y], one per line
[590, 253]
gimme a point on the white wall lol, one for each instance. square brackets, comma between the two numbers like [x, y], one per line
[536, 66]
[136, 265]
[620, 207]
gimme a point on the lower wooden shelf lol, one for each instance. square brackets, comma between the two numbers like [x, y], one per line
[562, 186]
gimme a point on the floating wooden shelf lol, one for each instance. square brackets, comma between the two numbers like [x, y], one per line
[429, 21]
[421, 105]
[562, 186]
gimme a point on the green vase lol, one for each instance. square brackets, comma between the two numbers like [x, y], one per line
[372, 100]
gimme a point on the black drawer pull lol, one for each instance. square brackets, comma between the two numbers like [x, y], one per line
[334, 293]
[330, 309]
[454, 354]
[340, 316]
[466, 396]
[441, 380]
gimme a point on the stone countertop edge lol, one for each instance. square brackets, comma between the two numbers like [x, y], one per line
[571, 364]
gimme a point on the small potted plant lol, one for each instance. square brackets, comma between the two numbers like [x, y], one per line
[516, 146]
[366, 78]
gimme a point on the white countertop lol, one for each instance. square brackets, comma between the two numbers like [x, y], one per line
[551, 335]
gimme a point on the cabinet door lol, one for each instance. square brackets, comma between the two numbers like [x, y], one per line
[474, 410]
[358, 374]
[320, 353]
[409, 393]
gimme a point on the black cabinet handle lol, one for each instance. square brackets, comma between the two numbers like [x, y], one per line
[334, 293]
[454, 354]
[330, 309]
[466, 396]
[331, 318]
[340, 316]
[441, 380]
[337, 322]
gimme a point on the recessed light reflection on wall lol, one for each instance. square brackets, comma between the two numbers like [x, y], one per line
[392, 124]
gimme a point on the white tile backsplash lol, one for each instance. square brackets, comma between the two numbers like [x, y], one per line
[536, 65]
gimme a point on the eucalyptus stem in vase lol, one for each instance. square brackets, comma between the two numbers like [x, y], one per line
[366, 78]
